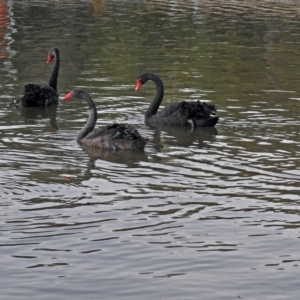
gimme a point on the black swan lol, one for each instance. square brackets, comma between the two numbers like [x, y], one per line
[114, 136]
[184, 113]
[42, 95]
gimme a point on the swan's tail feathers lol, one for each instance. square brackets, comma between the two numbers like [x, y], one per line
[211, 121]
[193, 109]
[116, 136]
[206, 122]
[31, 89]
[31, 94]
[203, 114]
[206, 109]
[139, 144]
[209, 108]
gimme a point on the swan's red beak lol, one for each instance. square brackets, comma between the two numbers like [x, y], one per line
[138, 84]
[69, 96]
[49, 58]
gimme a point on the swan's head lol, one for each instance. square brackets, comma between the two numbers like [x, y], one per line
[144, 77]
[50, 57]
[53, 53]
[141, 79]
[76, 93]
[138, 84]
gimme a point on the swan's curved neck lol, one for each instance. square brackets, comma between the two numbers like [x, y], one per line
[91, 122]
[153, 107]
[54, 75]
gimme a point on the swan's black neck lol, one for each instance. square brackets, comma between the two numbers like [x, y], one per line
[152, 109]
[54, 75]
[91, 122]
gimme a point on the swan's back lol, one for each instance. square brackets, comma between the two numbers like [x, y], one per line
[39, 95]
[115, 136]
[187, 113]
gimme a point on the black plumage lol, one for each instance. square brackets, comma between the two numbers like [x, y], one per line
[184, 113]
[114, 136]
[36, 95]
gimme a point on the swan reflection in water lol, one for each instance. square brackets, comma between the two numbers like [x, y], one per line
[126, 157]
[33, 115]
[183, 137]
[100, 160]
[178, 137]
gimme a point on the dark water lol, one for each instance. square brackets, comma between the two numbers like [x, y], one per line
[209, 214]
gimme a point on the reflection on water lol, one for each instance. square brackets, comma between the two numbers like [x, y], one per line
[129, 158]
[32, 114]
[183, 137]
[210, 212]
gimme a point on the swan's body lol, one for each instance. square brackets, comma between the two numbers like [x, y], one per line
[115, 136]
[42, 95]
[185, 113]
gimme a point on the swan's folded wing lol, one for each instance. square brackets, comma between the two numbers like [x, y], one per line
[116, 132]
[38, 95]
[48, 94]
[195, 113]
[116, 136]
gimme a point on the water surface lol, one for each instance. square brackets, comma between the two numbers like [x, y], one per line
[211, 213]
